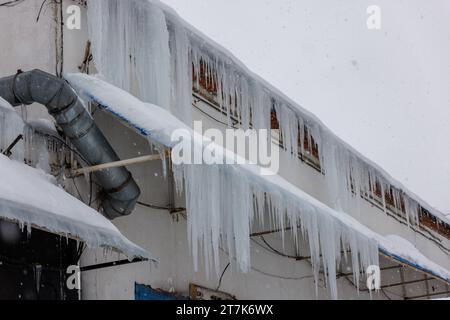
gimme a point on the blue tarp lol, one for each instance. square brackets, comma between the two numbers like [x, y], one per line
[143, 292]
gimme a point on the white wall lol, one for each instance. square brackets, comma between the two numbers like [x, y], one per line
[26, 44]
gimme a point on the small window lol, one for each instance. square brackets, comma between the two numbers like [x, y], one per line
[204, 82]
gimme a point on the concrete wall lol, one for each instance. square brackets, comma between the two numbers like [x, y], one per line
[27, 44]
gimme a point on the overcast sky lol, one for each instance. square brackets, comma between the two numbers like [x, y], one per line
[386, 92]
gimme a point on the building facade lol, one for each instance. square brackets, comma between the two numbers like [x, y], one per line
[148, 51]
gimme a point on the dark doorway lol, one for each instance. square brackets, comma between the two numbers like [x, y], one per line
[33, 264]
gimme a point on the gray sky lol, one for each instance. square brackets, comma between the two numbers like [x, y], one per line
[386, 92]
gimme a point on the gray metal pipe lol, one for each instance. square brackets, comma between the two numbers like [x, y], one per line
[120, 190]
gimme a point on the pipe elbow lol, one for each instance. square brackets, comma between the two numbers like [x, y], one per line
[119, 188]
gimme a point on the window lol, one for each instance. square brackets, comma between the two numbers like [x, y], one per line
[204, 82]
[426, 219]
[205, 85]
[431, 222]
[311, 149]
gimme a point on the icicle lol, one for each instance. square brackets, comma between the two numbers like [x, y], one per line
[223, 202]
[11, 126]
[289, 126]
[130, 44]
[181, 74]
[162, 154]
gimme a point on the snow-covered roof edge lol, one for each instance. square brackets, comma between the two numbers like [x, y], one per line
[208, 44]
[93, 236]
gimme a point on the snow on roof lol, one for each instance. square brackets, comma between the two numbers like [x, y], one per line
[403, 251]
[31, 197]
[317, 219]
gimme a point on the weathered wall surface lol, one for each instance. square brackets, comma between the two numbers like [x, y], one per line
[26, 43]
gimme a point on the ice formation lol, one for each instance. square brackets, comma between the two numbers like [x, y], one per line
[157, 124]
[165, 52]
[153, 51]
[11, 126]
[223, 201]
[32, 147]
[133, 37]
[31, 197]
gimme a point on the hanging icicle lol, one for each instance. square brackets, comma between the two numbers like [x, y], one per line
[130, 43]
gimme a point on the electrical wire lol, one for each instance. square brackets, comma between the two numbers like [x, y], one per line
[78, 191]
[180, 211]
[152, 206]
[221, 276]
[298, 258]
[47, 135]
[385, 294]
[270, 274]
[40, 10]
[213, 118]
[11, 3]
[383, 291]
[281, 277]
[91, 180]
